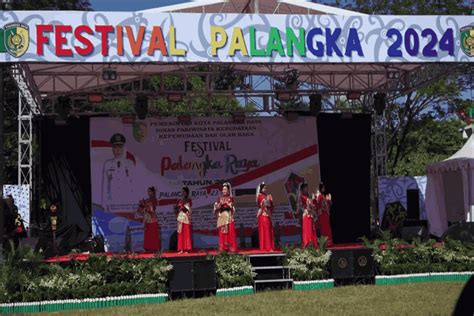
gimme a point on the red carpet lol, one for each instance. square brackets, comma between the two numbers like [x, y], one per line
[173, 254]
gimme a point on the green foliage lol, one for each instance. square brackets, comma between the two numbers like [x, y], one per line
[25, 277]
[410, 7]
[195, 102]
[398, 257]
[51, 5]
[420, 125]
[429, 141]
[233, 271]
[308, 264]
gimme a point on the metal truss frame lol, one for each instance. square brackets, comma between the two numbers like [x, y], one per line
[29, 105]
[259, 88]
[25, 142]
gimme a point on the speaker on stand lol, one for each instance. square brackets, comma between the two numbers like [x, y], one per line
[413, 204]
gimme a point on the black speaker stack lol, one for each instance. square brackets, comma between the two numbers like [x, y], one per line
[192, 278]
[350, 266]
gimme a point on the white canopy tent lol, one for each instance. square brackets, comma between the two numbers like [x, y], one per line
[450, 190]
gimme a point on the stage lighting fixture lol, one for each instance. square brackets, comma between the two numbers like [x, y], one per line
[174, 97]
[238, 118]
[354, 95]
[109, 74]
[141, 106]
[283, 96]
[95, 98]
[291, 77]
[315, 104]
[393, 75]
[63, 107]
[6, 4]
[379, 103]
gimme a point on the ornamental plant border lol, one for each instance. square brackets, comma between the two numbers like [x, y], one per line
[127, 300]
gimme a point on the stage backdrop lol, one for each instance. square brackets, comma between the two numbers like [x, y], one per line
[168, 154]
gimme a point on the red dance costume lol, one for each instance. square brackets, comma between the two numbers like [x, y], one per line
[184, 225]
[151, 238]
[309, 229]
[265, 227]
[323, 204]
[224, 208]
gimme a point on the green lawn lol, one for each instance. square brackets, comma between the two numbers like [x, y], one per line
[407, 299]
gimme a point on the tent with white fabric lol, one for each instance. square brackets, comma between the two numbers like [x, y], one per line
[450, 190]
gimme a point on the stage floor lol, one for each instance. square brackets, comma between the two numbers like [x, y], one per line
[173, 254]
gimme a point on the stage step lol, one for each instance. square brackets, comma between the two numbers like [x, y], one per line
[271, 272]
[281, 284]
[268, 259]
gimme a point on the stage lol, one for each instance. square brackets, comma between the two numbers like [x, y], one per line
[176, 255]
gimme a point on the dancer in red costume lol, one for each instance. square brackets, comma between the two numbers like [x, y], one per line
[265, 210]
[183, 209]
[147, 208]
[307, 206]
[224, 209]
[323, 205]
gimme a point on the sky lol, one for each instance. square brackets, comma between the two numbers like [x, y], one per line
[130, 5]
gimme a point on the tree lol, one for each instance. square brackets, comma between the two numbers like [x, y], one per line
[196, 102]
[51, 5]
[414, 113]
[411, 7]
[429, 141]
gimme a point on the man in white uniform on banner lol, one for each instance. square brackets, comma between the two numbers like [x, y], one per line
[117, 178]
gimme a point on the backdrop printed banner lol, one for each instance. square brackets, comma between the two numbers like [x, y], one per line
[394, 189]
[21, 195]
[107, 37]
[168, 154]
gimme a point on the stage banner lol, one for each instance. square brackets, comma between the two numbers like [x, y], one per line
[109, 37]
[202, 154]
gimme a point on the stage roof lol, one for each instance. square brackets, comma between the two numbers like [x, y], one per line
[253, 6]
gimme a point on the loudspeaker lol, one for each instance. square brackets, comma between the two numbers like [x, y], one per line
[414, 229]
[254, 238]
[181, 278]
[315, 104]
[193, 275]
[413, 204]
[141, 106]
[460, 231]
[173, 245]
[204, 275]
[93, 245]
[379, 103]
[63, 106]
[352, 263]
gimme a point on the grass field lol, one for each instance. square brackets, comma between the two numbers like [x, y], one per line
[407, 299]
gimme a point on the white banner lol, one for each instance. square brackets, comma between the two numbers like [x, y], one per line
[98, 37]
